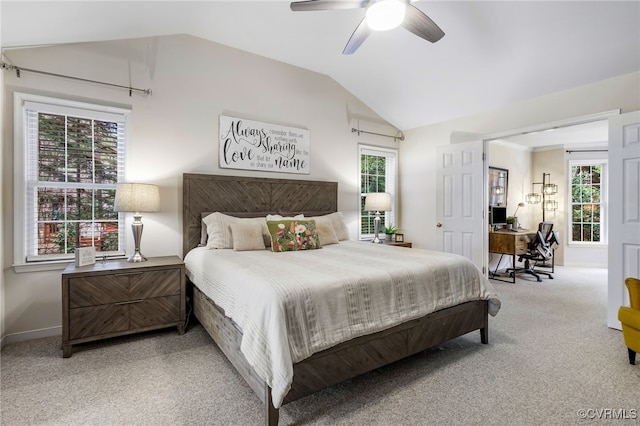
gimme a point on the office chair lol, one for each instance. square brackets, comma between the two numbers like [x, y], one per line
[629, 316]
[552, 240]
[539, 250]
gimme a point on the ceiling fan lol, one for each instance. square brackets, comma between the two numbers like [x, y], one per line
[381, 15]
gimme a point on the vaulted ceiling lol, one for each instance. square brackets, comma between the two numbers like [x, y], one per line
[493, 53]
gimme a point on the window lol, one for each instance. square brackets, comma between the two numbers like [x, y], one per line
[588, 202]
[378, 173]
[69, 158]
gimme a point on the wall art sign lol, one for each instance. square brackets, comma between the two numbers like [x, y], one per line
[253, 145]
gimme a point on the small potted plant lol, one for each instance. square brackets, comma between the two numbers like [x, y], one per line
[390, 230]
[511, 222]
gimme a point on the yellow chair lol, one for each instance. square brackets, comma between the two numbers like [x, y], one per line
[630, 319]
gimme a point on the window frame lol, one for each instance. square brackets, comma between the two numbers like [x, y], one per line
[391, 216]
[604, 196]
[23, 261]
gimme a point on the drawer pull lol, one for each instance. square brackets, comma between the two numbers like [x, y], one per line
[130, 302]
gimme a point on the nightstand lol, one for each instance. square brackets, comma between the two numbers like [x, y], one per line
[397, 244]
[115, 298]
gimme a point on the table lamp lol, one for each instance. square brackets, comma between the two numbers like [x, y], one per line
[515, 215]
[137, 198]
[377, 202]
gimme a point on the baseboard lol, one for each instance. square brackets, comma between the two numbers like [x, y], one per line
[30, 335]
[586, 265]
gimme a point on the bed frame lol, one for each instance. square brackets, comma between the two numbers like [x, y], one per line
[249, 196]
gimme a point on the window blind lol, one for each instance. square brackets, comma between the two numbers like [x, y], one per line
[74, 158]
[378, 173]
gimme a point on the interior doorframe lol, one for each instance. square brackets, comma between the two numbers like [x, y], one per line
[584, 119]
[490, 137]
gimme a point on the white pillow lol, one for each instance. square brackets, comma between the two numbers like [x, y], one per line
[280, 217]
[247, 236]
[337, 220]
[326, 233]
[219, 230]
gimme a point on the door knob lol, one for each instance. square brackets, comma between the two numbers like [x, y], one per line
[439, 225]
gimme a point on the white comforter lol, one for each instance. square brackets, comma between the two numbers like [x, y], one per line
[290, 305]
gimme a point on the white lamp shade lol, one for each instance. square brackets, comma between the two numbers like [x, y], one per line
[377, 202]
[137, 198]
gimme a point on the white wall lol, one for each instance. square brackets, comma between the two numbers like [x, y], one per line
[175, 131]
[418, 150]
[552, 161]
[518, 161]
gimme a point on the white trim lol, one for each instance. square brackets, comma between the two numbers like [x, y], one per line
[375, 150]
[585, 265]
[23, 336]
[20, 100]
[604, 202]
[552, 125]
[49, 265]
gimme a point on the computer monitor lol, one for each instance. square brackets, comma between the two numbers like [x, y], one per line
[498, 215]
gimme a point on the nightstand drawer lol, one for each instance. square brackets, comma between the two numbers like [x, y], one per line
[106, 289]
[123, 316]
[97, 320]
[159, 310]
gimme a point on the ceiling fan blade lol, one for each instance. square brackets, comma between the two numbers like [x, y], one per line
[357, 38]
[301, 6]
[421, 25]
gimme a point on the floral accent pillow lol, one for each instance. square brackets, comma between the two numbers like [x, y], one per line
[293, 235]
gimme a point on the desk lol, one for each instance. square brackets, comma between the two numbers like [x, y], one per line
[512, 243]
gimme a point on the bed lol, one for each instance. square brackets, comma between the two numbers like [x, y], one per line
[296, 366]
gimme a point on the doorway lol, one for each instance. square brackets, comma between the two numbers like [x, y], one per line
[542, 154]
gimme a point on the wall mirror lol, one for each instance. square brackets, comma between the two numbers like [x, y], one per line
[498, 186]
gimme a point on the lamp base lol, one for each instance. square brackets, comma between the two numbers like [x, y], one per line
[136, 257]
[376, 222]
[137, 227]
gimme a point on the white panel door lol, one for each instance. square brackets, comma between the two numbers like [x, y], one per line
[460, 201]
[624, 209]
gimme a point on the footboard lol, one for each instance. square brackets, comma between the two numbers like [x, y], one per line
[348, 359]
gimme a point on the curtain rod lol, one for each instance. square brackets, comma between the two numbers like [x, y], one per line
[17, 69]
[354, 130]
[586, 150]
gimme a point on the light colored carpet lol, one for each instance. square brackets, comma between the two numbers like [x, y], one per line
[550, 354]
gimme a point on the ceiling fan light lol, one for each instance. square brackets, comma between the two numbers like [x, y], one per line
[385, 15]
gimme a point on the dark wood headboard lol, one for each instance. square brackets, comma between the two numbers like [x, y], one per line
[250, 196]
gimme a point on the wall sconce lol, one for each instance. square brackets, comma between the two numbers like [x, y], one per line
[547, 190]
